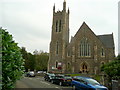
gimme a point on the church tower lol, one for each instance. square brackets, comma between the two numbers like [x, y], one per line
[59, 40]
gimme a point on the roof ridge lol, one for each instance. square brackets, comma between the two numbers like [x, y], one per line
[104, 35]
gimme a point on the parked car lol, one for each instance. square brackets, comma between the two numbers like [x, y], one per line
[85, 83]
[49, 76]
[62, 80]
[39, 72]
[30, 74]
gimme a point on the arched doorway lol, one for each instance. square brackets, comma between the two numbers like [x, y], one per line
[84, 68]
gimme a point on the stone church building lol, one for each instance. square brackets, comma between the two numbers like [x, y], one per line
[86, 51]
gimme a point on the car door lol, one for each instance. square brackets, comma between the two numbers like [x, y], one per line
[59, 79]
[82, 84]
[76, 83]
[56, 79]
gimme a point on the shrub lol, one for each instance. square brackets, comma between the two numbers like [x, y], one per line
[12, 61]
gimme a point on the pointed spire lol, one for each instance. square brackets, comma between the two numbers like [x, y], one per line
[68, 11]
[64, 5]
[54, 8]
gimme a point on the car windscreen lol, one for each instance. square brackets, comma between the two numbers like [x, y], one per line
[92, 81]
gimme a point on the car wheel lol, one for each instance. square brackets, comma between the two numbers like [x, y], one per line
[60, 83]
[52, 81]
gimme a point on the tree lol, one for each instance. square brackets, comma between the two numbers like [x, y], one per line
[31, 63]
[118, 57]
[25, 57]
[29, 59]
[36, 61]
[112, 69]
[41, 61]
[12, 61]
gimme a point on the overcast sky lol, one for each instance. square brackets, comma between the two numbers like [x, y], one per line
[30, 21]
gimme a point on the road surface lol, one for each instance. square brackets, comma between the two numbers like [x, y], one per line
[39, 83]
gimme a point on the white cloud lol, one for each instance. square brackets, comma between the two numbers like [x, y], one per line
[30, 21]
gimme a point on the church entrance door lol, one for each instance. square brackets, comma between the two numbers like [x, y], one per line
[84, 68]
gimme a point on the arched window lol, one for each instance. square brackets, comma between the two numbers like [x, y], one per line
[60, 26]
[102, 63]
[102, 52]
[57, 48]
[56, 65]
[85, 49]
[68, 66]
[57, 26]
[69, 52]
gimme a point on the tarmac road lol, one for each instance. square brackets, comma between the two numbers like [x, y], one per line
[39, 83]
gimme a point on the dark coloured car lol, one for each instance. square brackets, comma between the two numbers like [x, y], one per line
[86, 83]
[49, 76]
[62, 80]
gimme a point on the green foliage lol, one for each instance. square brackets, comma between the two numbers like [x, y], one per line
[12, 61]
[38, 61]
[112, 69]
[42, 61]
[72, 75]
[118, 57]
[97, 77]
[29, 59]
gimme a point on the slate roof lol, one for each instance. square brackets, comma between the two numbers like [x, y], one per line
[107, 40]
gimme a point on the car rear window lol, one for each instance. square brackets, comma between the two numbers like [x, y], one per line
[67, 77]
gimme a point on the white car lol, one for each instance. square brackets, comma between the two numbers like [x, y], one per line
[30, 74]
[40, 72]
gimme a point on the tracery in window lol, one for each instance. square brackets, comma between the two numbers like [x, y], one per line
[58, 25]
[85, 49]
